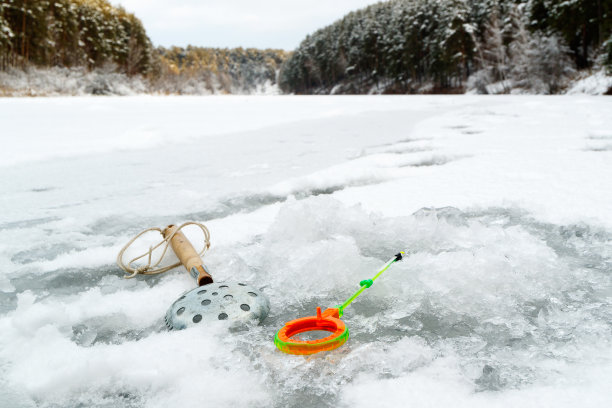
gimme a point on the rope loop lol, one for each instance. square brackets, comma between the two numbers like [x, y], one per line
[153, 268]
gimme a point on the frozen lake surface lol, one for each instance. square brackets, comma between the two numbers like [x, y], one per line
[503, 205]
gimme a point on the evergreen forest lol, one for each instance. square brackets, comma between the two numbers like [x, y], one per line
[68, 33]
[442, 46]
[397, 46]
[93, 35]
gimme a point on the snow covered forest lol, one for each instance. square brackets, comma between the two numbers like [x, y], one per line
[80, 47]
[92, 47]
[450, 46]
[68, 33]
[197, 70]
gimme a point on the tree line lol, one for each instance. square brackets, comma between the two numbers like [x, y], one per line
[403, 46]
[195, 70]
[94, 35]
[398, 46]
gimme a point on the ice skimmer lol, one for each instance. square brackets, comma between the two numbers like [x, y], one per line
[234, 302]
[211, 301]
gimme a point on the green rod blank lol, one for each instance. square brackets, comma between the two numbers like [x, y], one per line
[368, 282]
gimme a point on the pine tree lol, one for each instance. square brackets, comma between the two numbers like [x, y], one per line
[519, 48]
[6, 34]
[607, 54]
[494, 58]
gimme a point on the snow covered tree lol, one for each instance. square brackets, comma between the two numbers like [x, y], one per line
[539, 62]
[520, 53]
[492, 53]
[197, 70]
[607, 54]
[583, 24]
[6, 34]
[549, 61]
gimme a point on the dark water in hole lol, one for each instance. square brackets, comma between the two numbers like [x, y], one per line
[311, 335]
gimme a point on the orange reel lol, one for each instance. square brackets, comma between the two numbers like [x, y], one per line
[329, 321]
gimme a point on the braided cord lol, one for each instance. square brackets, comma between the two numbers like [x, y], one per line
[153, 268]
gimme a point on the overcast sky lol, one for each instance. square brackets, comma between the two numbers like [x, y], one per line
[236, 23]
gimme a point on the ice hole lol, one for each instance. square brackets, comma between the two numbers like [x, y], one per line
[311, 335]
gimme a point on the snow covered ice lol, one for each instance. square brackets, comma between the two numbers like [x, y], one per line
[502, 204]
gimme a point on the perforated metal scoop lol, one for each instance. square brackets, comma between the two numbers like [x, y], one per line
[235, 303]
[238, 303]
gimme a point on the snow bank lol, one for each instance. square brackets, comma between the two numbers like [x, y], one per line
[58, 81]
[597, 83]
[68, 81]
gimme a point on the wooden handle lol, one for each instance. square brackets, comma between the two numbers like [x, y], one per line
[188, 256]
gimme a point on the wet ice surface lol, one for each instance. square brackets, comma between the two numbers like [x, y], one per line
[502, 205]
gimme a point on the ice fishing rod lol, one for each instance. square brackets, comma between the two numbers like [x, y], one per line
[328, 321]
